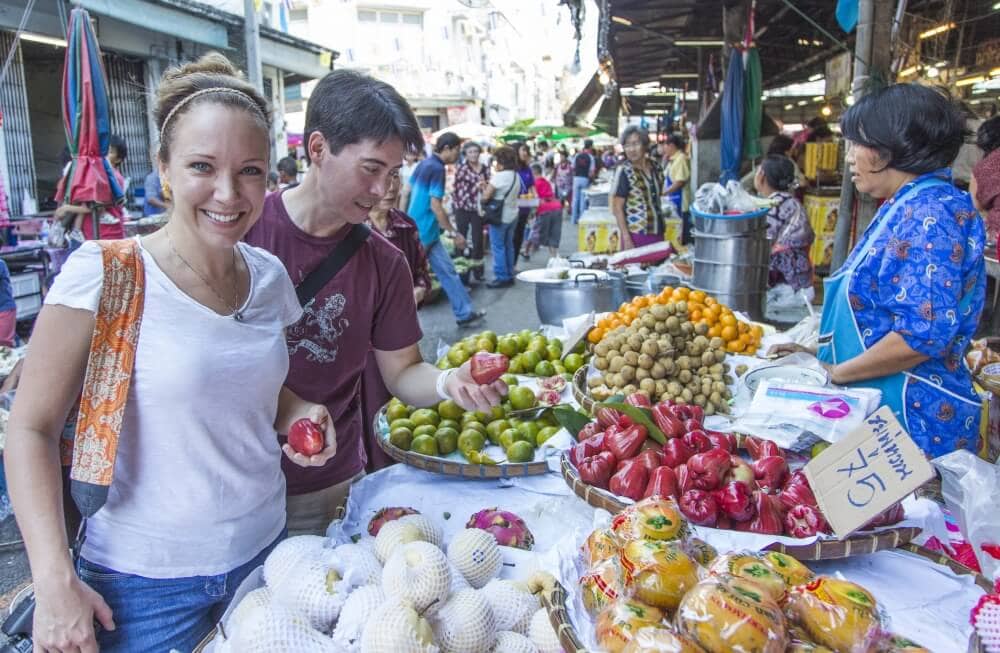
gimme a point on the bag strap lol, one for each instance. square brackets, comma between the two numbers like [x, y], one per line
[332, 264]
[109, 373]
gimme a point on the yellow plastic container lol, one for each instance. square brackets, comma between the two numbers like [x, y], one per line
[598, 232]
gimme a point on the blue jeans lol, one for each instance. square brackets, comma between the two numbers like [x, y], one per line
[160, 614]
[579, 199]
[444, 270]
[502, 248]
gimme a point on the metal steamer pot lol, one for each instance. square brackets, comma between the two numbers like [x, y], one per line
[588, 292]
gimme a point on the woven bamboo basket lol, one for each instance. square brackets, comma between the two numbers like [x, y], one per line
[580, 390]
[448, 466]
[824, 549]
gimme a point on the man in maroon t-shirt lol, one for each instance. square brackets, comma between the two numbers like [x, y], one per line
[357, 129]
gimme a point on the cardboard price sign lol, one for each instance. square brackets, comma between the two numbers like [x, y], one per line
[875, 466]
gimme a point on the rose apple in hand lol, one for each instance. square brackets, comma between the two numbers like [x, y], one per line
[306, 437]
[486, 368]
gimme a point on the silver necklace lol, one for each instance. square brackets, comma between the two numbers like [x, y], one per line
[235, 308]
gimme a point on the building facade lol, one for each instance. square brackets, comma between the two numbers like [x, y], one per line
[139, 40]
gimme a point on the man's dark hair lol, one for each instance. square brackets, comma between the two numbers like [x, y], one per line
[447, 140]
[914, 128]
[676, 140]
[542, 145]
[780, 145]
[348, 107]
[588, 143]
[118, 143]
[988, 135]
[288, 167]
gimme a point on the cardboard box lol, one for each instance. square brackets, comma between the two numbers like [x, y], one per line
[822, 212]
[598, 233]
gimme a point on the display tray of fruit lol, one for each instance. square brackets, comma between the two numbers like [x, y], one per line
[643, 584]
[635, 450]
[529, 353]
[399, 588]
[509, 441]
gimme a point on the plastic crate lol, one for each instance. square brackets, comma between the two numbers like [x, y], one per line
[27, 283]
[28, 306]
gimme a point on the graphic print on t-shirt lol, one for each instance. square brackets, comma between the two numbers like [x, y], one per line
[325, 324]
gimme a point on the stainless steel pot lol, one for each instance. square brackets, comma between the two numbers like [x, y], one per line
[587, 292]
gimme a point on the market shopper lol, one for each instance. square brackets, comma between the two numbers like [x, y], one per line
[677, 170]
[781, 144]
[427, 210]
[547, 229]
[584, 169]
[788, 226]
[153, 201]
[196, 496]
[524, 213]
[503, 185]
[899, 314]
[471, 177]
[111, 218]
[356, 131]
[400, 230]
[288, 173]
[563, 178]
[636, 191]
[984, 185]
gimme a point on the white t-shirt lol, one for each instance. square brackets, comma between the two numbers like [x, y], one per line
[198, 488]
[503, 181]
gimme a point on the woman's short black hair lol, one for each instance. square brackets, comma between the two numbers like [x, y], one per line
[779, 171]
[505, 157]
[780, 144]
[633, 129]
[988, 135]
[447, 140]
[915, 129]
[676, 140]
[118, 143]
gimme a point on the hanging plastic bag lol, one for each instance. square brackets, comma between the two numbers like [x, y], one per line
[970, 486]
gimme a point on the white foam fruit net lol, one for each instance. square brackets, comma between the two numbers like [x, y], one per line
[393, 535]
[392, 629]
[276, 630]
[458, 581]
[362, 562]
[511, 642]
[477, 555]
[512, 605]
[429, 531]
[542, 634]
[418, 573]
[315, 591]
[465, 624]
[357, 610]
[290, 554]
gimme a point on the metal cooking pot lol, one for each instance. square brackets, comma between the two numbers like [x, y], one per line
[586, 293]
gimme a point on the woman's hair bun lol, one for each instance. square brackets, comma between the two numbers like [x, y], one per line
[211, 63]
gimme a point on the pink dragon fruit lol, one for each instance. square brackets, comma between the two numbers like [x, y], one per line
[506, 527]
[386, 515]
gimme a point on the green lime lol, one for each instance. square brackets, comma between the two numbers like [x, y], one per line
[450, 424]
[396, 411]
[495, 428]
[447, 440]
[548, 418]
[510, 380]
[444, 364]
[554, 351]
[402, 424]
[470, 440]
[818, 448]
[448, 409]
[529, 430]
[496, 412]
[425, 416]
[522, 398]
[573, 362]
[506, 406]
[424, 429]
[524, 336]
[401, 438]
[458, 354]
[476, 416]
[546, 433]
[509, 436]
[425, 444]
[508, 347]
[529, 360]
[485, 344]
[475, 426]
[520, 452]
[559, 367]
[545, 368]
[516, 365]
[489, 335]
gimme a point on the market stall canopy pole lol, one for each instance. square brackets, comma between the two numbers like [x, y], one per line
[86, 119]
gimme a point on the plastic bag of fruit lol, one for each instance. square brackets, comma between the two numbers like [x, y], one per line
[838, 614]
[724, 613]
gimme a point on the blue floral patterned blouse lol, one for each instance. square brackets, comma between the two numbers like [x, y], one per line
[925, 279]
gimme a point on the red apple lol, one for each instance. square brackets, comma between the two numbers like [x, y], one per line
[306, 437]
[487, 368]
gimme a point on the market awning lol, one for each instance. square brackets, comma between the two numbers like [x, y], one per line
[301, 60]
[584, 102]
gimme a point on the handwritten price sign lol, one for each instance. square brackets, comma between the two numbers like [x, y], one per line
[875, 466]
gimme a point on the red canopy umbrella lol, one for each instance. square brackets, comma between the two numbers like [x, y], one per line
[86, 120]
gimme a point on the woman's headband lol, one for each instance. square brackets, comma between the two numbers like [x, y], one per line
[206, 91]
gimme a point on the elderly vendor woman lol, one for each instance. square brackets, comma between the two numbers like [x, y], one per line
[899, 314]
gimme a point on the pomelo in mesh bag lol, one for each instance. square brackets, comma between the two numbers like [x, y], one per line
[465, 624]
[392, 535]
[418, 574]
[386, 515]
[359, 607]
[512, 604]
[542, 634]
[259, 600]
[397, 628]
[511, 642]
[362, 562]
[506, 527]
[458, 581]
[317, 592]
[429, 531]
[276, 629]
[291, 554]
[477, 555]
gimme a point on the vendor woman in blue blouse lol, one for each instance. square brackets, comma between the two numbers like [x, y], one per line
[899, 314]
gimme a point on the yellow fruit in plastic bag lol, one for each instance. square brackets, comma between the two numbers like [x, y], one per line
[658, 573]
[619, 622]
[601, 585]
[657, 518]
[725, 614]
[836, 613]
[750, 566]
[623, 524]
[600, 545]
[660, 640]
[791, 570]
[700, 551]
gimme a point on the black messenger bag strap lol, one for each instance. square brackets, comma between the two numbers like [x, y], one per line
[333, 263]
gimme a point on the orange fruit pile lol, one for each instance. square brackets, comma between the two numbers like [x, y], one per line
[739, 336]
